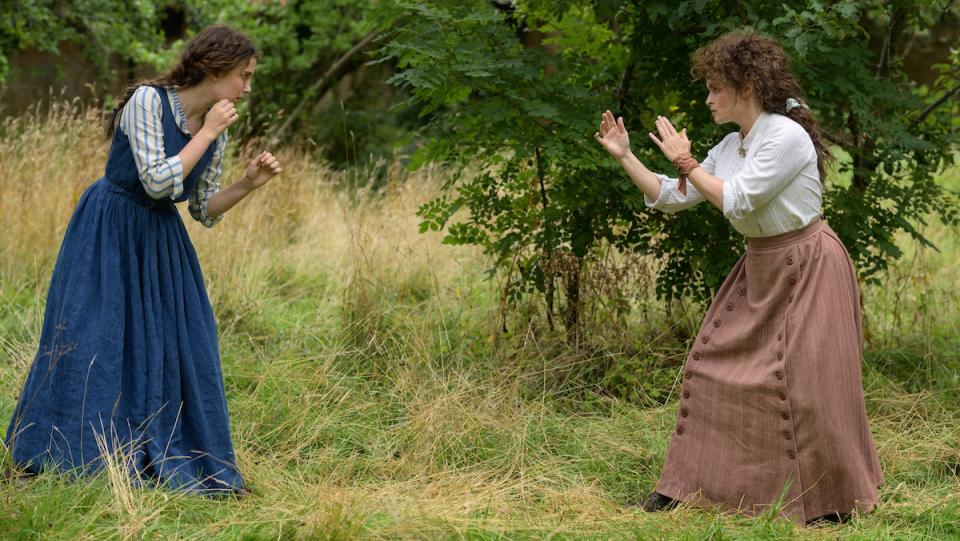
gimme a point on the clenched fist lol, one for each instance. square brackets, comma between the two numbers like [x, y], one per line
[261, 169]
[220, 117]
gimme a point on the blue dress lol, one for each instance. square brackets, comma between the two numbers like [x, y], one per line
[128, 358]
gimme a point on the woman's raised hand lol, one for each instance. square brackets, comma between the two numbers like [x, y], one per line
[261, 169]
[219, 117]
[613, 136]
[671, 143]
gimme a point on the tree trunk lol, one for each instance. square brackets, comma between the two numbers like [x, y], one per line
[546, 267]
[572, 318]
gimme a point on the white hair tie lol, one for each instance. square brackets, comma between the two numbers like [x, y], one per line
[793, 103]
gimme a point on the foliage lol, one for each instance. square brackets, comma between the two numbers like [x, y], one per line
[517, 94]
[102, 28]
[522, 116]
[514, 89]
[349, 114]
[300, 41]
[368, 398]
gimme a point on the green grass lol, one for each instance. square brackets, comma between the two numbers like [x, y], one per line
[372, 396]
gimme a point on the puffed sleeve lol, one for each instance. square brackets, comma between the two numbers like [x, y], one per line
[780, 157]
[141, 122]
[670, 199]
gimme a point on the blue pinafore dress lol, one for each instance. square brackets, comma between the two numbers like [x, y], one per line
[128, 364]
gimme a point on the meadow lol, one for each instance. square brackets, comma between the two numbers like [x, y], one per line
[374, 395]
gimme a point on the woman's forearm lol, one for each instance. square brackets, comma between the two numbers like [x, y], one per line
[641, 177]
[226, 198]
[195, 149]
[709, 186]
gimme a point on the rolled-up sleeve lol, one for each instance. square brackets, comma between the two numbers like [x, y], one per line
[670, 199]
[141, 121]
[779, 159]
[207, 185]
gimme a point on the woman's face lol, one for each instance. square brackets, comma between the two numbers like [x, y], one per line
[722, 101]
[235, 84]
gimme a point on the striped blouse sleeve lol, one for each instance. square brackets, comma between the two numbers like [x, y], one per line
[207, 185]
[141, 122]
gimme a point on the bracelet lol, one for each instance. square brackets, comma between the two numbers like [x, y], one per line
[685, 164]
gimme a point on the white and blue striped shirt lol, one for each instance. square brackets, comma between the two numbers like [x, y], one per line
[161, 176]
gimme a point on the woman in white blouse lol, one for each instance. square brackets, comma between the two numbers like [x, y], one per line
[772, 410]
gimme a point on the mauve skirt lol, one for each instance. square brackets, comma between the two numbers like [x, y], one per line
[772, 409]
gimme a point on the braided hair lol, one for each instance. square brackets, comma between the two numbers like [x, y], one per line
[746, 60]
[215, 50]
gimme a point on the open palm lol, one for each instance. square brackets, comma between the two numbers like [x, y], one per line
[613, 135]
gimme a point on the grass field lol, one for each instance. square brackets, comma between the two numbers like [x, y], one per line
[372, 397]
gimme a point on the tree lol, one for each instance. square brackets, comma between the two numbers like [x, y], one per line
[523, 118]
[310, 49]
[308, 46]
[103, 28]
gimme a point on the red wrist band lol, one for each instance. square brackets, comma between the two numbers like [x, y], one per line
[685, 164]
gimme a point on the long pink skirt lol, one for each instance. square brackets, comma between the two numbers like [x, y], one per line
[772, 408]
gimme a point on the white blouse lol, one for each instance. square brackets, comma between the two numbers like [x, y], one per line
[773, 189]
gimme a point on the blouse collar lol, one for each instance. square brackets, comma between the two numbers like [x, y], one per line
[181, 116]
[757, 127]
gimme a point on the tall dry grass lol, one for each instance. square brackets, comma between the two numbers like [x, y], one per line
[371, 395]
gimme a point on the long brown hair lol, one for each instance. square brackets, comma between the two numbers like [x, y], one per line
[746, 60]
[215, 50]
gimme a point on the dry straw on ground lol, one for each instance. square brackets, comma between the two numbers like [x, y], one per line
[369, 398]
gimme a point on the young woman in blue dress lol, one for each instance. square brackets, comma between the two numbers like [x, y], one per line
[128, 362]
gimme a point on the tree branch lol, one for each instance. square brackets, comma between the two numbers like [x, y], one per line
[548, 279]
[836, 139]
[625, 83]
[321, 84]
[898, 21]
[929, 109]
[946, 9]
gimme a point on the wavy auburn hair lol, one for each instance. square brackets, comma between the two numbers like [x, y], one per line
[215, 50]
[747, 61]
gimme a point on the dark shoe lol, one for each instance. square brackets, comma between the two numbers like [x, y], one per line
[17, 477]
[658, 502]
[829, 518]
